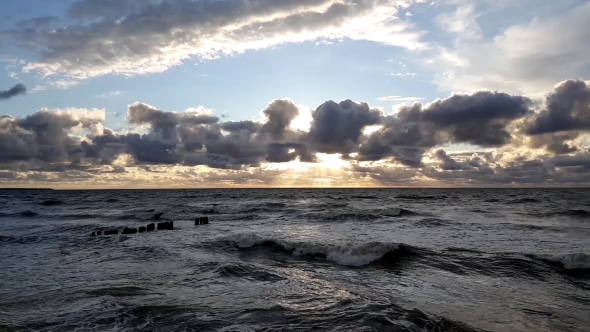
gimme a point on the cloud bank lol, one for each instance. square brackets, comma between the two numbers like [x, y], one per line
[512, 141]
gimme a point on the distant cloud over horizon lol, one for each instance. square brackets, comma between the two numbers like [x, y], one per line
[510, 137]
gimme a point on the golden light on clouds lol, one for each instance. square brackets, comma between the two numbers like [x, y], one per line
[332, 161]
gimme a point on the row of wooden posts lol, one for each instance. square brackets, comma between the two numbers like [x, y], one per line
[201, 221]
[167, 225]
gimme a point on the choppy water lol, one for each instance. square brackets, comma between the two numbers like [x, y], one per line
[297, 260]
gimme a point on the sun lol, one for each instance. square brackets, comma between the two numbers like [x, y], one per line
[332, 161]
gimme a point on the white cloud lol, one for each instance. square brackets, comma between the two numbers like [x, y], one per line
[38, 88]
[173, 31]
[463, 22]
[200, 110]
[63, 83]
[109, 95]
[524, 58]
[399, 99]
[404, 74]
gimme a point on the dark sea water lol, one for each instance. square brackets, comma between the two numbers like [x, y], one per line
[297, 260]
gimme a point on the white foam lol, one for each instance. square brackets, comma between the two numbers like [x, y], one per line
[343, 254]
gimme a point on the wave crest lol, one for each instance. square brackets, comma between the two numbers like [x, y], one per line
[575, 261]
[344, 254]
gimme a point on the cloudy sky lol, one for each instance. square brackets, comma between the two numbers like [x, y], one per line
[259, 93]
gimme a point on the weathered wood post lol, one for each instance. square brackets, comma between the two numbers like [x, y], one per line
[129, 230]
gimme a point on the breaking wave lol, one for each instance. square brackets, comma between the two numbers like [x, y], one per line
[398, 212]
[575, 261]
[344, 254]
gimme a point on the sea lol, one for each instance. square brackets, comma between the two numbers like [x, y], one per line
[296, 260]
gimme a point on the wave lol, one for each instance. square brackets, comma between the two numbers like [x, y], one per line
[434, 222]
[275, 205]
[247, 271]
[323, 206]
[51, 202]
[128, 217]
[27, 214]
[257, 210]
[78, 216]
[7, 238]
[23, 214]
[112, 200]
[24, 239]
[575, 261]
[467, 250]
[210, 211]
[246, 216]
[574, 213]
[525, 200]
[398, 212]
[364, 197]
[455, 260]
[342, 216]
[346, 216]
[345, 254]
[421, 197]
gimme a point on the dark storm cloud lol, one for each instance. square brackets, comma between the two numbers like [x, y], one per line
[279, 153]
[337, 127]
[162, 122]
[568, 109]
[144, 149]
[479, 119]
[448, 163]
[75, 144]
[555, 143]
[235, 126]
[581, 160]
[16, 90]
[279, 115]
[195, 139]
[44, 135]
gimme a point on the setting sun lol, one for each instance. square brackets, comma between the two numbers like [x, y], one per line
[332, 161]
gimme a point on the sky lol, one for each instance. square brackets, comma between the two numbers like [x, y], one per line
[294, 93]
